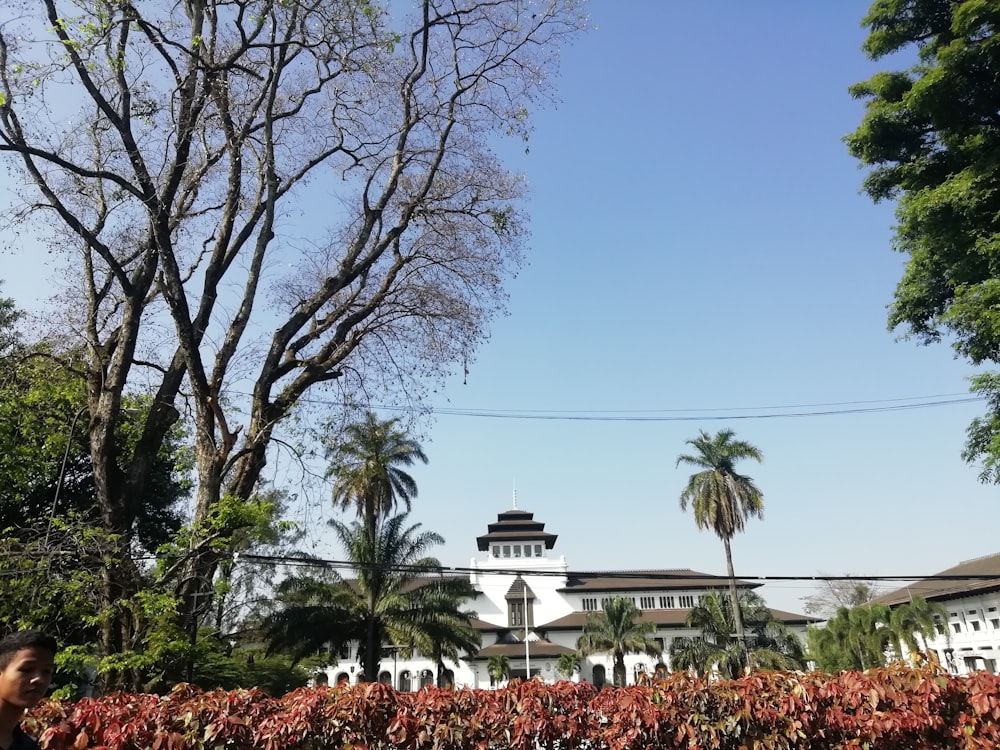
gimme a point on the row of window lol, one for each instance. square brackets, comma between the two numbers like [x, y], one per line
[976, 626]
[684, 601]
[517, 550]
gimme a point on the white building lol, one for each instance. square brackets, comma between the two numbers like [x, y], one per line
[531, 608]
[972, 640]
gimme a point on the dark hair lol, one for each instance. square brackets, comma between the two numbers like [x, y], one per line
[22, 639]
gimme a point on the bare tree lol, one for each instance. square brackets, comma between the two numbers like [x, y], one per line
[831, 595]
[183, 153]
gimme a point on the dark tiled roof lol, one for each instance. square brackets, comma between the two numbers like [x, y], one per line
[514, 650]
[985, 568]
[515, 525]
[662, 618]
[649, 580]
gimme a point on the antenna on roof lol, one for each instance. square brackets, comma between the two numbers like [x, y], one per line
[515, 494]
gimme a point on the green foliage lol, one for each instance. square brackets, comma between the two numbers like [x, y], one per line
[871, 635]
[931, 141]
[498, 668]
[366, 466]
[568, 664]
[618, 630]
[767, 644]
[390, 601]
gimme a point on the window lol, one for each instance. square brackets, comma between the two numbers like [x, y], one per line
[973, 611]
[659, 644]
[517, 550]
[590, 605]
[538, 550]
[666, 602]
[953, 614]
[517, 614]
[527, 550]
[991, 609]
[604, 603]
[496, 550]
[686, 600]
[975, 625]
[995, 622]
[956, 627]
[647, 602]
[506, 550]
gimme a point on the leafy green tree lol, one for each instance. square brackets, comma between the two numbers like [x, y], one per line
[930, 139]
[767, 643]
[367, 465]
[913, 622]
[568, 664]
[617, 630]
[394, 598]
[498, 668]
[854, 638]
[721, 498]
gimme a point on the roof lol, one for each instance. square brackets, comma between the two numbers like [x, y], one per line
[515, 525]
[515, 650]
[648, 580]
[949, 584]
[662, 618]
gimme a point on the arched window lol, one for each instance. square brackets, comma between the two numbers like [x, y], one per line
[426, 678]
[404, 681]
[385, 678]
[343, 679]
[600, 677]
[321, 678]
[661, 671]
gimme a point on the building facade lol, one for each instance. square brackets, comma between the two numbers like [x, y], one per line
[531, 608]
[971, 641]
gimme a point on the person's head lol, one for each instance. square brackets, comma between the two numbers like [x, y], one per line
[26, 665]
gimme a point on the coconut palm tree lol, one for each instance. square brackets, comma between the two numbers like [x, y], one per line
[568, 664]
[916, 618]
[617, 630]
[389, 601]
[854, 638]
[449, 636]
[498, 668]
[721, 498]
[767, 643]
[367, 469]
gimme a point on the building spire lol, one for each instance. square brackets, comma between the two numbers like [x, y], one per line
[515, 494]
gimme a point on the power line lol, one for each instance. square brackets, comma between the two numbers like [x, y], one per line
[686, 415]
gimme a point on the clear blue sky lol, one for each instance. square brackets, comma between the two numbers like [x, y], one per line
[699, 243]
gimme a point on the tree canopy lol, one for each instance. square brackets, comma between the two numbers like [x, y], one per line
[618, 630]
[168, 153]
[930, 138]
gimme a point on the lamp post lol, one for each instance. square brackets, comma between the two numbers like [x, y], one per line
[527, 649]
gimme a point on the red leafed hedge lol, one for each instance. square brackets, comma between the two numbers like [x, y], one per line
[887, 709]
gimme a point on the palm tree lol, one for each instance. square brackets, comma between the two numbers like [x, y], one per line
[450, 634]
[854, 638]
[617, 631]
[720, 497]
[767, 645]
[367, 469]
[389, 601]
[498, 668]
[917, 617]
[568, 664]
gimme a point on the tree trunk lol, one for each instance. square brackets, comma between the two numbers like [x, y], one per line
[618, 676]
[734, 597]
